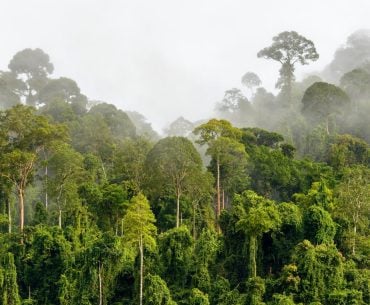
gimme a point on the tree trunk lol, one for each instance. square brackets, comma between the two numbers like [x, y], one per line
[9, 216]
[177, 209]
[21, 210]
[289, 91]
[327, 125]
[194, 210]
[100, 284]
[354, 239]
[252, 256]
[60, 218]
[223, 199]
[46, 187]
[141, 248]
[218, 188]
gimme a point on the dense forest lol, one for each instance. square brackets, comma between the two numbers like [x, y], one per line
[265, 202]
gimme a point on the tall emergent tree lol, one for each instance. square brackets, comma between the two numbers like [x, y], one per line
[321, 101]
[139, 230]
[33, 67]
[251, 80]
[23, 134]
[288, 48]
[354, 200]
[172, 163]
[223, 146]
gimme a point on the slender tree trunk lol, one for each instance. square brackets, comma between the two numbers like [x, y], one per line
[355, 220]
[327, 125]
[289, 93]
[218, 188]
[21, 209]
[9, 216]
[60, 217]
[141, 248]
[194, 210]
[177, 208]
[223, 199]
[100, 284]
[46, 187]
[252, 256]
[354, 239]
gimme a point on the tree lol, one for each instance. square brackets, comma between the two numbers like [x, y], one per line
[257, 215]
[320, 269]
[118, 121]
[223, 146]
[64, 89]
[181, 127]
[288, 48]
[197, 297]
[129, 163]
[143, 127]
[353, 195]
[232, 100]
[353, 54]
[319, 226]
[176, 249]
[251, 80]
[44, 262]
[23, 135]
[8, 281]
[235, 107]
[65, 171]
[139, 230]
[322, 100]
[348, 151]
[256, 289]
[9, 88]
[171, 165]
[34, 65]
[356, 84]
[156, 291]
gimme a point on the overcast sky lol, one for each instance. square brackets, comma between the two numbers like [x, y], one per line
[166, 58]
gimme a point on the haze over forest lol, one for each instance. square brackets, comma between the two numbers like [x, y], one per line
[167, 58]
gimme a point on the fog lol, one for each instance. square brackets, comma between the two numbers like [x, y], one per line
[168, 58]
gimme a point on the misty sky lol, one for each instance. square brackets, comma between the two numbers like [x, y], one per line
[166, 58]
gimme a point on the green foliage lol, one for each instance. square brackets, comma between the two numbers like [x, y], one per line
[81, 165]
[172, 165]
[156, 291]
[197, 297]
[280, 299]
[138, 223]
[8, 281]
[255, 291]
[348, 151]
[118, 121]
[318, 225]
[344, 297]
[320, 269]
[46, 260]
[257, 215]
[176, 248]
[353, 203]
[41, 215]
